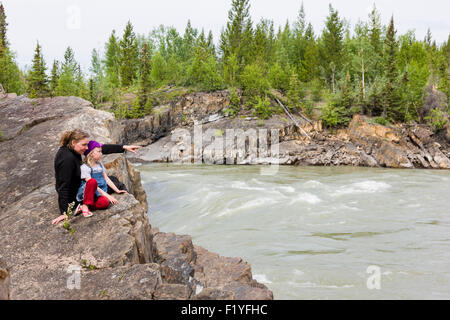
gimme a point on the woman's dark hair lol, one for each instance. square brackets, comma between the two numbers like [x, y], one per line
[69, 136]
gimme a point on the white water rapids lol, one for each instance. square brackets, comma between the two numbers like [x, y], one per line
[315, 232]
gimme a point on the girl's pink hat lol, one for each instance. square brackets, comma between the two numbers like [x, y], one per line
[91, 146]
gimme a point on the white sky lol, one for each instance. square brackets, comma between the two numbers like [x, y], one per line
[87, 24]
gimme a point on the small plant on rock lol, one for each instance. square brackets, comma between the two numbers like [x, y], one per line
[66, 224]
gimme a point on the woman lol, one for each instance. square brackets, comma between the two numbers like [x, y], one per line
[67, 164]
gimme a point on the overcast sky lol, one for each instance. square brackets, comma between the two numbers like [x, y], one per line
[87, 24]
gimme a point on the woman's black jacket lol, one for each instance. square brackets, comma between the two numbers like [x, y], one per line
[68, 174]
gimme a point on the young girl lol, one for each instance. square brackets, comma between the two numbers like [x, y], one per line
[94, 186]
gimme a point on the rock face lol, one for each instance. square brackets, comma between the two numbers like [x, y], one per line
[168, 139]
[112, 255]
[182, 262]
[4, 281]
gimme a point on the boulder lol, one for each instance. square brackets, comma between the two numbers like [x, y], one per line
[107, 256]
[182, 262]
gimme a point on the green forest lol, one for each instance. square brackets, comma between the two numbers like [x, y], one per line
[365, 69]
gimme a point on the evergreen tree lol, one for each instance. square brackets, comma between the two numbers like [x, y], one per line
[428, 38]
[300, 43]
[296, 93]
[309, 66]
[11, 77]
[390, 52]
[211, 46]
[81, 89]
[128, 56]
[340, 110]
[54, 77]
[3, 25]
[254, 81]
[332, 50]
[374, 29]
[189, 41]
[37, 78]
[237, 37]
[92, 94]
[203, 71]
[263, 43]
[144, 80]
[284, 47]
[67, 85]
[112, 61]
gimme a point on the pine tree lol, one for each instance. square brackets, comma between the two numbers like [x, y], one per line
[237, 37]
[82, 91]
[263, 43]
[390, 52]
[309, 66]
[11, 77]
[92, 94]
[128, 56]
[112, 61]
[54, 77]
[203, 71]
[37, 79]
[144, 79]
[189, 40]
[375, 31]
[3, 25]
[332, 46]
[296, 93]
[300, 43]
[428, 38]
[211, 46]
[67, 85]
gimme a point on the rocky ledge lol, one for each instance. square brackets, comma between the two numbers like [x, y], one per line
[113, 255]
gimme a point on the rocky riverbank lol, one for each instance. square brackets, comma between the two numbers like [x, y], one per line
[193, 129]
[116, 254]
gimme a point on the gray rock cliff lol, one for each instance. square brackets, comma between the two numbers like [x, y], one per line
[113, 255]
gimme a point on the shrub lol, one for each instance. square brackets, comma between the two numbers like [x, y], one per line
[205, 74]
[254, 81]
[235, 103]
[381, 120]
[279, 78]
[437, 119]
[330, 116]
[263, 108]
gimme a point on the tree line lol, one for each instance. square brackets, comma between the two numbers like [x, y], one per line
[368, 69]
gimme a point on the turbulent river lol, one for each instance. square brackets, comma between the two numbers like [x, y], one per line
[315, 232]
